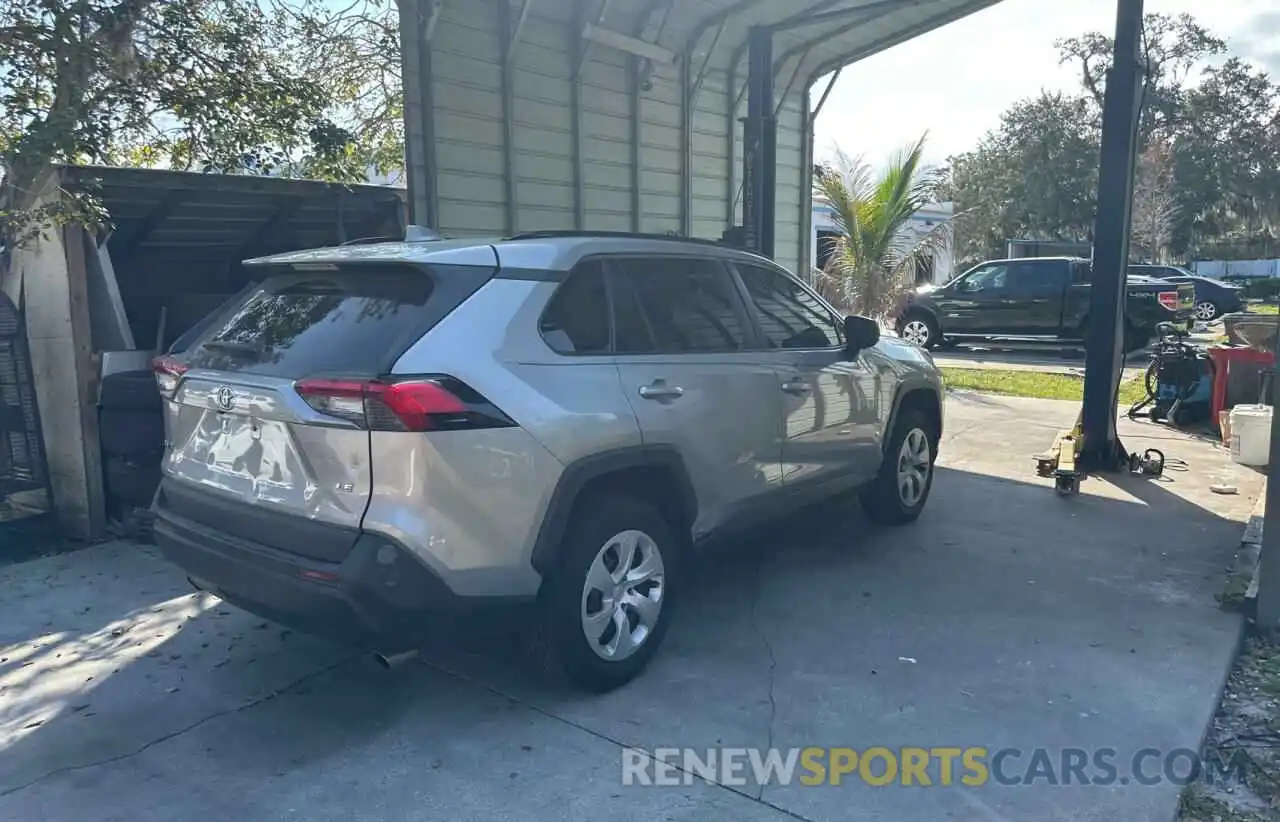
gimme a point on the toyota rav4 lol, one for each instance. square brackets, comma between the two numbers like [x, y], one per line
[383, 439]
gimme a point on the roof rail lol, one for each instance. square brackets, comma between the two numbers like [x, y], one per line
[634, 235]
[370, 240]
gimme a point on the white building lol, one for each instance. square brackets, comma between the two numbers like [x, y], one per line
[942, 266]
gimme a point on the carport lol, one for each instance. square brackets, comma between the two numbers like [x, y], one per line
[667, 116]
[630, 115]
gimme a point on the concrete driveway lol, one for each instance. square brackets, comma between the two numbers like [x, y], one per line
[1005, 617]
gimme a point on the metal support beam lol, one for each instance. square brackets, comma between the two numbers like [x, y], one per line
[818, 17]
[1100, 448]
[521, 19]
[805, 268]
[578, 50]
[798, 18]
[898, 37]
[731, 142]
[285, 208]
[157, 215]
[417, 25]
[759, 154]
[639, 69]
[866, 14]
[432, 17]
[579, 53]
[826, 92]
[688, 99]
[706, 61]
[786, 90]
[509, 34]
[634, 67]
[732, 184]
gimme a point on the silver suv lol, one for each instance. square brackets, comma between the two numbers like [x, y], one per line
[385, 441]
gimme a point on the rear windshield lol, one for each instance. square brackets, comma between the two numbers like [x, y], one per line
[355, 320]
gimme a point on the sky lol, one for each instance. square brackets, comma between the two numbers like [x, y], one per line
[956, 81]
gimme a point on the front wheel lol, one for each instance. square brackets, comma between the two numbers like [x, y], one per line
[921, 330]
[900, 490]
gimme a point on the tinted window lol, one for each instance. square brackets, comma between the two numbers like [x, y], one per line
[987, 278]
[676, 305]
[789, 315]
[1036, 278]
[577, 318]
[631, 331]
[355, 320]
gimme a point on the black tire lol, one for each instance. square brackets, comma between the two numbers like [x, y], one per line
[882, 499]
[561, 644]
[930, 324]
[1136, 340]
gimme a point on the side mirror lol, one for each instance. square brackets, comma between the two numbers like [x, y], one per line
[860, 333]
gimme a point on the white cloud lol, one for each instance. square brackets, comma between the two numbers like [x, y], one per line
[956, 81]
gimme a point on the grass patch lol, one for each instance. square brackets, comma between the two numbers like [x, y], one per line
[1013, 383]
[1263, 308]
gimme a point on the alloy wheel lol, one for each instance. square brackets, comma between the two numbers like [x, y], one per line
[914, 466]
[623, 595]
[1205, 311]
[916, 332]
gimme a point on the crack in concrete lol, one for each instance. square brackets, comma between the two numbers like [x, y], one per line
[773, 662]
[262, 700]
[604, 737]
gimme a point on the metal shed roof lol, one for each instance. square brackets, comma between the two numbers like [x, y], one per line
[625, 114]
[231, 216]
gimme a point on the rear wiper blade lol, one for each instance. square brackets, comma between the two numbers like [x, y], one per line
[232, 347]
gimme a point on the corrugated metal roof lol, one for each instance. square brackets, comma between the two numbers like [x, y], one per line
[231, 216]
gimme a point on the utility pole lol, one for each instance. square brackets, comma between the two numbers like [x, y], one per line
[1104, 338]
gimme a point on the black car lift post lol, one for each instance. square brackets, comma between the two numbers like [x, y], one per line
[1093, 445]
[759, 145]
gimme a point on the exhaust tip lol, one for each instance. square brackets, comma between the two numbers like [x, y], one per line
[397, 660]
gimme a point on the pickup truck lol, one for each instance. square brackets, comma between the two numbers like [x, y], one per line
[1041, 299]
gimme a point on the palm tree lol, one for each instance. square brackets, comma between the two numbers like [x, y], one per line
[876, 255]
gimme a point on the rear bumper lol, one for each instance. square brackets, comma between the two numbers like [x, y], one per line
[380, 596]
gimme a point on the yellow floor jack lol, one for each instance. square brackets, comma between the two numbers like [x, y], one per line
[1061, 460]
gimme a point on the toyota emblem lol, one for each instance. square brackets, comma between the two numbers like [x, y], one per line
[225, 398]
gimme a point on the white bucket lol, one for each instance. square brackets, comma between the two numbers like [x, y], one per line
[1251, 434]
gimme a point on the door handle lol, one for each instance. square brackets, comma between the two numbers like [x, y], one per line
[796, 388]
[659, 390]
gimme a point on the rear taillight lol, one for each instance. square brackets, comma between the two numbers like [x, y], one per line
[169, 373]
[1169, 299]
[419, 404]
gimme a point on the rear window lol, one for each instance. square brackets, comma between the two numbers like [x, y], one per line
[357, 320]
